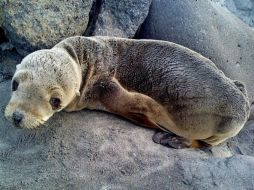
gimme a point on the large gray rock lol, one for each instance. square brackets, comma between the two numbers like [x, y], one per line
[118, 18]
[94, 150]
[209, 29]
[32, 25]
[36, 25]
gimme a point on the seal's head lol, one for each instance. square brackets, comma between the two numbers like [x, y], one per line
[44, 83]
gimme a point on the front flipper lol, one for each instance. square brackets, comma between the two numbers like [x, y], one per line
[171, 140]
[134, 106]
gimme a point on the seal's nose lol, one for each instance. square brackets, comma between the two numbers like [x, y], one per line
[17, 118]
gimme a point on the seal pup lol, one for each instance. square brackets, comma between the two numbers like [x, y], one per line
[155, 84]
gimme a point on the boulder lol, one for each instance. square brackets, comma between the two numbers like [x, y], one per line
[95, 150]
[35, 25]
[208, 28]
[244, 9]
[118, 18]
[31, 25]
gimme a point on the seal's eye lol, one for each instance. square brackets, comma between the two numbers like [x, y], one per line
[15, 85]
[55, 103]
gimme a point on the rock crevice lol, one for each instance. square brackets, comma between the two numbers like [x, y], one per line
[3, 38]
[93, 16]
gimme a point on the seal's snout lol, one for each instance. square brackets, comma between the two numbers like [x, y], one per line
[17, 118]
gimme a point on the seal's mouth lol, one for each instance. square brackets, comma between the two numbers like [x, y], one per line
[33, 125]
[28, 124]
[24, 120]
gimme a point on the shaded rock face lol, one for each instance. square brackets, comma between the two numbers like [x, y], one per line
[94, 150]
[118, 18]
[9, 58]
[209, 29]
[41, 24]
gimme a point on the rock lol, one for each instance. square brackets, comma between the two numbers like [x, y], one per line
[95, 150]
[9, 58]
[2, 36]
[31, 26]
[42, 24]
[209, 29]
[8, 62]
[118, 18]
[242, 9]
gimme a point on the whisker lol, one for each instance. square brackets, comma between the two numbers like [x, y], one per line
[42, 123]
[36, 124]
[33, 125]
[28, 126]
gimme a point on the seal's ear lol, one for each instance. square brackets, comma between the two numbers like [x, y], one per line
[22, 75]
[18, 66]
[77, 93]
[70, 50]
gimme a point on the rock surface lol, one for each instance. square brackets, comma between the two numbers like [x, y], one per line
[244, 9]
[30, 26]
[209, 29]
[94, 150]
[35, 25]
[118, 18]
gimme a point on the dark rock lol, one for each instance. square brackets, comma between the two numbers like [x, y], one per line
[9, 58]
[2, 36]
[209, 29]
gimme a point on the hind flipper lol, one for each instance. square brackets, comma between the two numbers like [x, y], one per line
[171, 140]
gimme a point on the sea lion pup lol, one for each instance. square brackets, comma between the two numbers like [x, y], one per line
[156, 84]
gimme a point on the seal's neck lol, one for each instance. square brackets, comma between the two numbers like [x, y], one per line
[89, 57]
